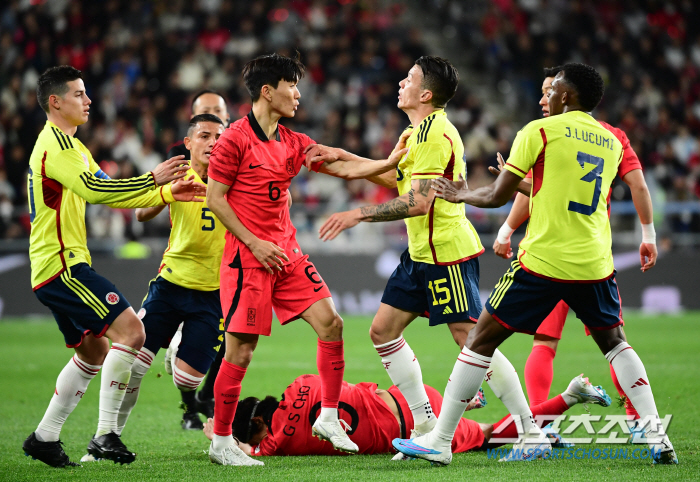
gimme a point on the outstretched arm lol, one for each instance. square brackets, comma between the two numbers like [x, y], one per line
[415, 202]
[343, 164]
[642, 203]
[492, 196]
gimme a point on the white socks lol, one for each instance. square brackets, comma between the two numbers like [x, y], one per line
[138, 371]
[71, 385]
[504, 381]
[404, 370]
[184, 381]
[116, 373]
[328, 414]
[464, 382]
[634, 381]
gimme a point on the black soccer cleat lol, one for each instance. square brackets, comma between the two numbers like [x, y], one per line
[205, 407]
[110, 447]
[51, 453]
[191, 421]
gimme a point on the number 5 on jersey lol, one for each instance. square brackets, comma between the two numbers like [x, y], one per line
[206, 216]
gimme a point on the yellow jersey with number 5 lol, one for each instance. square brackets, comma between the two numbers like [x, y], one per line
[195, 247]
[444, 236]
[574, 160]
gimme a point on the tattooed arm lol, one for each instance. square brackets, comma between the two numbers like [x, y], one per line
[416, 202]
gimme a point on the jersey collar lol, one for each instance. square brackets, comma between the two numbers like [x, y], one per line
[258, 130]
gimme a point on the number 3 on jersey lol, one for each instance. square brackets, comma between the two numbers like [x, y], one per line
[206, 215]
[595, 175]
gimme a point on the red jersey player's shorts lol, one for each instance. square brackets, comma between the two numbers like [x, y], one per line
[248, 295]
[553, 325]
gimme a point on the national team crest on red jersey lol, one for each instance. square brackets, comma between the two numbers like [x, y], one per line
[112, 298]
[251, 316]
[290, 166]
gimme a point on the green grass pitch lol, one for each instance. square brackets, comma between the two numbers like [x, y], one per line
[32, 354]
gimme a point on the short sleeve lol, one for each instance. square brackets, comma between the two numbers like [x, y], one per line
[299, 144]
[226, 158]
[526, 147]
[429, 160]
[630, 161]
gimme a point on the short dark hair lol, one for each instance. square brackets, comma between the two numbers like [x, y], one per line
[54, 81]
[587, 82]
[439, 77]
[202, 92]
[552, 71]
[202, 118]
[269, 70]
[244, 427]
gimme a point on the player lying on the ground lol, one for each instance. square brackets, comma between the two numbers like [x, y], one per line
[567, 255]
[539, 366]
[374, 417]
[88, 308]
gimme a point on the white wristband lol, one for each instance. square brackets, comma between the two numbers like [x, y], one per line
[505, 232]
[648, 233]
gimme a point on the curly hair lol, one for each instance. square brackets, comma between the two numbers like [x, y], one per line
[587, 82]
[244, 426]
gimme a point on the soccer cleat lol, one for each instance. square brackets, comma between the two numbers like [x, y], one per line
[205, 407]
[423, 448]
[637, 434]
[191, 421]
[663, 452]
[479, 401]
[536, 446]
[171, 352]
[231, 455]
[51, 453]
[110, 446]
[581, 389]
[334, 433]
[555, 439]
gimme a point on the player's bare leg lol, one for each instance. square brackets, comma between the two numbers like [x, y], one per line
[472, 365]
[227, 389]
[127, 335]
[401, 363]
[631, 373]
[330, 361]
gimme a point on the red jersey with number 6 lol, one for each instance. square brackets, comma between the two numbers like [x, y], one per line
[259, 171]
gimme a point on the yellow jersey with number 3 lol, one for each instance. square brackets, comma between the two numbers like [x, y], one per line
[444, 236]
[574, 160]
[195, 247]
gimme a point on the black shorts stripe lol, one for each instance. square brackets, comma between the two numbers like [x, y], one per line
[236, 264]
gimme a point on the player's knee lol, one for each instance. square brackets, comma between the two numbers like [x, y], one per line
[381, 333]
[184, 381]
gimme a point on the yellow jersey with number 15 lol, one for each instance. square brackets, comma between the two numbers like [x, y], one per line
[444, 236]
[574, 160]
[195, 247]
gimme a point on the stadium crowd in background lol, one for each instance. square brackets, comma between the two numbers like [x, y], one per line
[144, 60]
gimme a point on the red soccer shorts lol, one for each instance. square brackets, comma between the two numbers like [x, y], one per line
[553, 325]
[248, 295]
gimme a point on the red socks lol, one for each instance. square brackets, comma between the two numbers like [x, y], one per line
[330, 362]
[227, 390]
[554, 407]
[539, 372]
[629, 408]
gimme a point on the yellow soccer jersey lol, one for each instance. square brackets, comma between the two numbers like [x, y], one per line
[195, 247]
[62, 176]
[573, 160]
[444, 236]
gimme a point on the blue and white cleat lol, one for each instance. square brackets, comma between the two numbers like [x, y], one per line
[581, 389]
[535, 447]
[555, 439]
[422, 448]
[637, 434]
[663, 452]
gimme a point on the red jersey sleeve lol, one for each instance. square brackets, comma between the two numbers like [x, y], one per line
[630, 161]
[296, 143]
[226, 157]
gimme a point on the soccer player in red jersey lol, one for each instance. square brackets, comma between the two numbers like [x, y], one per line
[263, 267]
[539, 369]
[375, 417]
